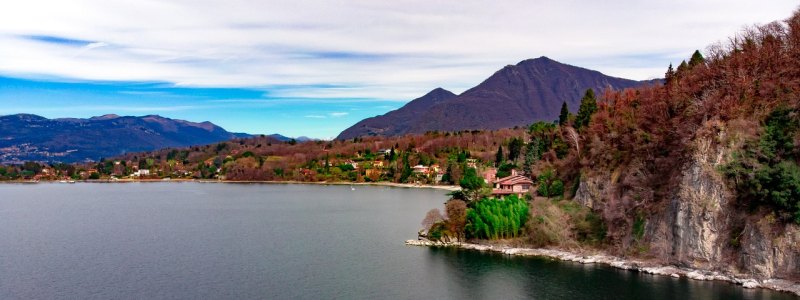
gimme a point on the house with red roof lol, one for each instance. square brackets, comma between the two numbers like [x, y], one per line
[515, 184]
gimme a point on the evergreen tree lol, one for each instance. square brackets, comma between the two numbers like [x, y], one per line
[514, 148]
[682, 68]
[697, 59]
[498, 158]
[588, 107]
[530, 158]
[406, 168]
[670, 74]
[564, 116]
[392, 155]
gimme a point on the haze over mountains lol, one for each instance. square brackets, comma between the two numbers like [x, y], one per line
[31, 137]
[516, 95]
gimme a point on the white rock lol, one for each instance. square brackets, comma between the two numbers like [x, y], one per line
[750, 284]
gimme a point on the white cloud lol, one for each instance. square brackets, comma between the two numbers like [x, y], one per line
[315, 116]
[367, 49]
[338, 114]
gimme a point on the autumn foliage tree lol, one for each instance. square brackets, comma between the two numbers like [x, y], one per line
[456, 216]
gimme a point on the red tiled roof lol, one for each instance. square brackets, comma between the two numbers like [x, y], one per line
[514, 179]
[504, 192]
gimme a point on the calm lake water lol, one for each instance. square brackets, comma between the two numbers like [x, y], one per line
[267, 241]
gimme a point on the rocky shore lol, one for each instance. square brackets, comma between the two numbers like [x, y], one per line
[626, 264]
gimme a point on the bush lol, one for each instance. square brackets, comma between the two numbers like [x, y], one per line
[765, 172]
[564, 223]
[496, 219]
[549, 185]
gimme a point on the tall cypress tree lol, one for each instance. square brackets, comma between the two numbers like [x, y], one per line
[406, 168]
[514, 148]
[498, 158]
[564, 116]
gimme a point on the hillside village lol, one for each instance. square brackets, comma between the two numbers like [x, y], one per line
[417, 165]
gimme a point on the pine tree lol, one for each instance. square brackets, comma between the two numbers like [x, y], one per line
[588, 107]
[564, 116]
[670, 74]
[697, 59]
[530, 158]
[682, 68]
[406, 168]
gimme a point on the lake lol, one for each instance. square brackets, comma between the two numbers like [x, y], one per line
[274, 241]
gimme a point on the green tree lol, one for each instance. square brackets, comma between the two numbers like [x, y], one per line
[407, 172]
[514, 148]
[530, 159]
[472, 184]
[505, 170]
[498, 157]
[766, 172]
[697, 59]
[557, 189]
[564, 116]
[587, 109]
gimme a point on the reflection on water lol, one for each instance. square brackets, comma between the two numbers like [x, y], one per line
[487, 275]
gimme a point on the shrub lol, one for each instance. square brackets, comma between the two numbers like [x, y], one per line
[765, 172]
[496, 219]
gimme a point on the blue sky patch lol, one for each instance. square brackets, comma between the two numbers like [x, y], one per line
[57, 40]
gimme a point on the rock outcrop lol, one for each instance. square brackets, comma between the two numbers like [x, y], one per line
[701, 226]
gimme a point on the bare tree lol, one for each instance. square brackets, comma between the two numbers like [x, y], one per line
[432, 217]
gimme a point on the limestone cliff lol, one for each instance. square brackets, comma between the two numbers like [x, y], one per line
[701, 225]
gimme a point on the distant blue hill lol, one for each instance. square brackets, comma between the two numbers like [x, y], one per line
[30, 137]
[284, 138]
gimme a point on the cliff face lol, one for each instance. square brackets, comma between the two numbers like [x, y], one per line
[769, 250]
[701, 225]
[693, 229]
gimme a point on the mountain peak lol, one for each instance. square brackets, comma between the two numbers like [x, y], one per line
[437, 91]
[516, 95]
[539, 61]
[399, 120]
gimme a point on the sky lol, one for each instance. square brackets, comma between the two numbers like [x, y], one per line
[315, 67]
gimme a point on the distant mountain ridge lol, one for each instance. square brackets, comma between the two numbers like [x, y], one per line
[284, 138]
[516, 95]
[30, 137]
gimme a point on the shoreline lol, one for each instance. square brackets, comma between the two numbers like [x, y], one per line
[386, 184]
[780, 285]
